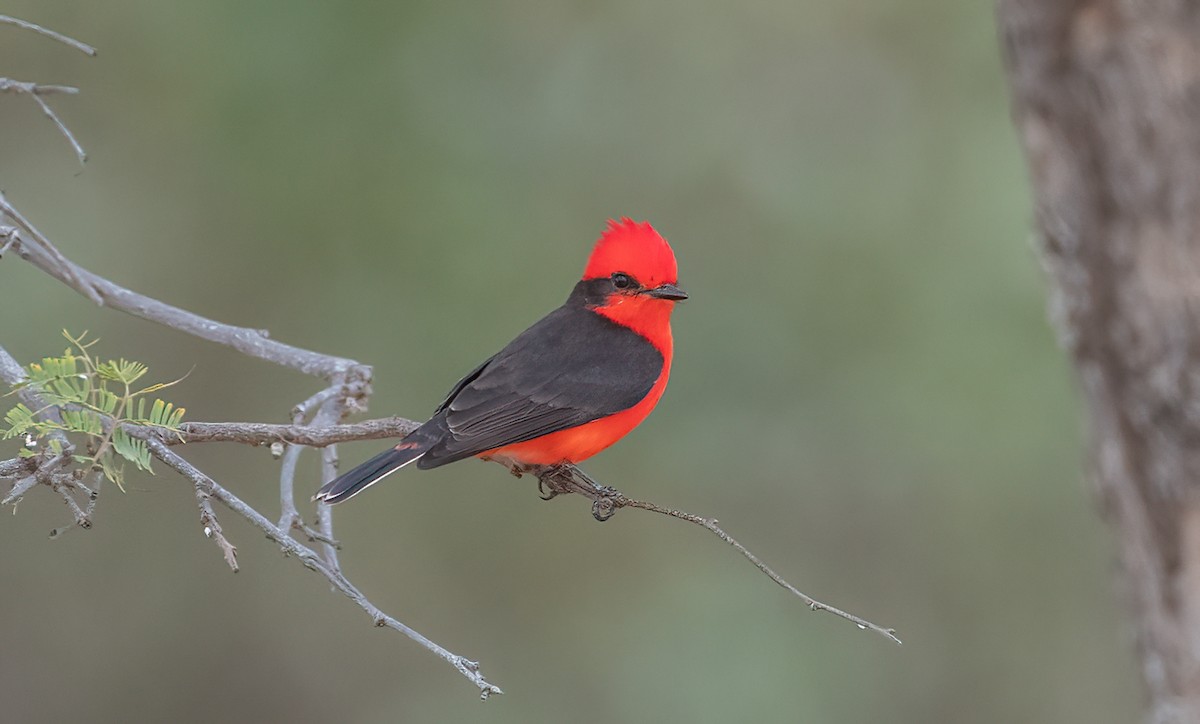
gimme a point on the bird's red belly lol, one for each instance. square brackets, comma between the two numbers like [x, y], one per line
[579, 443]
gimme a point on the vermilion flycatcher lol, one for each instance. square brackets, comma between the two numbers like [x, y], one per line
[567, 387]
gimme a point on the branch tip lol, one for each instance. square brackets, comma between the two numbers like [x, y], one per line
[64, 39]
[561, 479]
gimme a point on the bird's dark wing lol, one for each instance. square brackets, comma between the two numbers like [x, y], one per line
[572, 367]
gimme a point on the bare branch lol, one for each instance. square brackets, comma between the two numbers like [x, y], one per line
[81, 47]
[312, 561]
[13, 467]
[251, 342]
[35, 91]
[8, 85]
[260, 433]
[327, 407]
[59, 485]
[562, 479]
[19, 489]
[330, 412]
[304, 410]
[288, 516]
[212, 528]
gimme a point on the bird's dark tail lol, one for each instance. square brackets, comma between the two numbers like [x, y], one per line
[371, 472]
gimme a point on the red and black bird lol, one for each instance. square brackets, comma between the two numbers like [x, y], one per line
[567, 387]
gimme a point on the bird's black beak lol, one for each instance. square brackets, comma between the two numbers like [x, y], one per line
[666, 291]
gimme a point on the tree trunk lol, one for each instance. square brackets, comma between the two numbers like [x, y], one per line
[1106, 102]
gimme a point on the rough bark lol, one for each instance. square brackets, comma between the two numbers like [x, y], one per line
[1106, 102]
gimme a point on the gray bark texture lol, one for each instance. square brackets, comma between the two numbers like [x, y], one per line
[1106, 102]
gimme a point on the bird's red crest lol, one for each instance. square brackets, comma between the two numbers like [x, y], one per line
[634, 248]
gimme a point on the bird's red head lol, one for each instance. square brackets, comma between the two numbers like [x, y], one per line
[634, 249]
[634, 267]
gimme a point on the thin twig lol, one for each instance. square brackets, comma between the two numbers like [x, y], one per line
[93, 493]
[212, 528]
[62, 127]
[606, 501]
[312, 561]
[10, 236]
[288, 516]
[330, 412]
[19, 489]
[58, 485]
[304, 410]
[81, 47]
[8, 85]
[319, 405]
[36, 91]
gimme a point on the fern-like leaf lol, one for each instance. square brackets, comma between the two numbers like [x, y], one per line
[122, 370]
[132, 449]
[162, 414]
[84, 421]
[19, 419]
[106, 401]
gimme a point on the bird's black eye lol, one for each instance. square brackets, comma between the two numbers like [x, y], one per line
[622, 281]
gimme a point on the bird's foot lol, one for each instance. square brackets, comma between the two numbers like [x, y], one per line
[555, 480]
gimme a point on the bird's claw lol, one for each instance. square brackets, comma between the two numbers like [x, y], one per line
[547, 491]
[603, 509]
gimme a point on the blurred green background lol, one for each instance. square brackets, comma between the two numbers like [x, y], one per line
[865, 391]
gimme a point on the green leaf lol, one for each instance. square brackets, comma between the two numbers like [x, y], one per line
[26, 453]
[84, 421]
[66, 390]
[122, 370]
[156, 412]
[52, 368]
[107, 401]
[19, 419]
[132, 449]
[162, 414]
